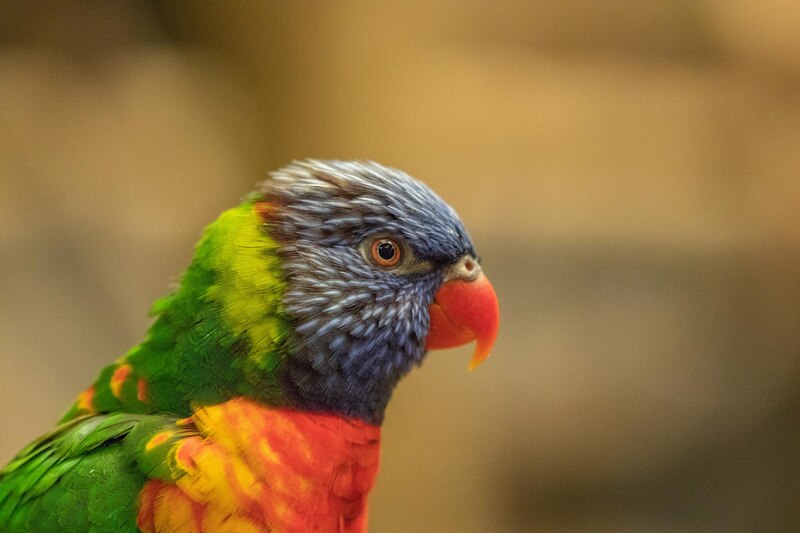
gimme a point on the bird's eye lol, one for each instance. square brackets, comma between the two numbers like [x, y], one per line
[386, 252]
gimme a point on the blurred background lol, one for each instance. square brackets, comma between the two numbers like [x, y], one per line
[628, 170]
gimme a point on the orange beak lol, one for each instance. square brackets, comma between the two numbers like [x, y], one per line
[463, 311]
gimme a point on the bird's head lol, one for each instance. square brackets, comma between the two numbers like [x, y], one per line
[378, 269]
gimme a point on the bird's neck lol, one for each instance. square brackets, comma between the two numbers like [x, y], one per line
[221, 334]
[348, 395]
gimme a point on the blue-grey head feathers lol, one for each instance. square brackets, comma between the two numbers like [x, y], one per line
[357, 327]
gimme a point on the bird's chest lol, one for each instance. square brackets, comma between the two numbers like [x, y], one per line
[260, 469]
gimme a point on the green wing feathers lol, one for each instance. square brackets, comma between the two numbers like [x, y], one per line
[85, 475]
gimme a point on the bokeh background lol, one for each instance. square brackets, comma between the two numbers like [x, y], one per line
[628, 170]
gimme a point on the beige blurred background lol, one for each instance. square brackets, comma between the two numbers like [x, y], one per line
[628, 169]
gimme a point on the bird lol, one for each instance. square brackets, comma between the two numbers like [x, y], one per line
[256, 399]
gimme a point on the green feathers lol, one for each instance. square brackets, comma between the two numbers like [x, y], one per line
[86, 475]
[76, 478]
[219, 335]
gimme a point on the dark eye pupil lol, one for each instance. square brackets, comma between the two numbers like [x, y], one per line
[386, 251]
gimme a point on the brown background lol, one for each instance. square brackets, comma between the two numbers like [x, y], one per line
[628, 169]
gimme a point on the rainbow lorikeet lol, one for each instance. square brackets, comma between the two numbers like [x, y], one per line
[256, 399]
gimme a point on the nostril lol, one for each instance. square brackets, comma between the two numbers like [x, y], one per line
[466, 268]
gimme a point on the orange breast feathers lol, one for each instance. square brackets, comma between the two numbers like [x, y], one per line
[252, 468]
